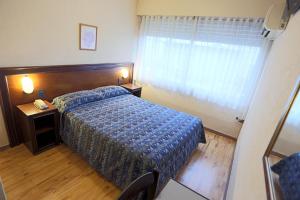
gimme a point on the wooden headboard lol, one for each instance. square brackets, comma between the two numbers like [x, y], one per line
[52, 81]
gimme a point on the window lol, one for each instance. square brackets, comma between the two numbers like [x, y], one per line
[218, 60]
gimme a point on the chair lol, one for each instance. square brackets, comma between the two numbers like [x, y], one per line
[146, 183]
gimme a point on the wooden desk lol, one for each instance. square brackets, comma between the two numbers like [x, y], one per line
[176, 191]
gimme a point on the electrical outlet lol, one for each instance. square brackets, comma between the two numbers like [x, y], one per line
[41, 94]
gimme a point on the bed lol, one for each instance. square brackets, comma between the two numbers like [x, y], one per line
[123, 136]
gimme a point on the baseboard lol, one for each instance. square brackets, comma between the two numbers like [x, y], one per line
[221, 134]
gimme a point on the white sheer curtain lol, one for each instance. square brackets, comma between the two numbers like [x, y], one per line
[217, 60]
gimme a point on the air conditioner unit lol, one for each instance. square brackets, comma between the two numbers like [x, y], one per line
[276, 20]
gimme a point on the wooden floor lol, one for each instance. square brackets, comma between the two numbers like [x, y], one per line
[61, 174]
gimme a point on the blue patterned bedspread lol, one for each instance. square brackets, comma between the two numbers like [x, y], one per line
[124, 136]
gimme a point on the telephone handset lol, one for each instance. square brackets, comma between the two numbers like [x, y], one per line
[40, 104]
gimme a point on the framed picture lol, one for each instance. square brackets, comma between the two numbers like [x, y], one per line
[87, 37]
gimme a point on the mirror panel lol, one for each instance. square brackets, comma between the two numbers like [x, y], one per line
[288, 141]
[284, 148]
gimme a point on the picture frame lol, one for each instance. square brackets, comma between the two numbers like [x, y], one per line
[87, 37]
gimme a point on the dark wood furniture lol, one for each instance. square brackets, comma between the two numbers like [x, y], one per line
[40, 128]
[52, 81]
[146, 183]
[175, 190]
[133, 89]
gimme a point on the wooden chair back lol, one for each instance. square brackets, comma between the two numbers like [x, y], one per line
[146, 183]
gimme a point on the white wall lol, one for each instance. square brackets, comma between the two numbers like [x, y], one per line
[288, 142]
[279, 78]
[35, 32]
[246, 8]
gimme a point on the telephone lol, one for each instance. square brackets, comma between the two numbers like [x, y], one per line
[40, 104]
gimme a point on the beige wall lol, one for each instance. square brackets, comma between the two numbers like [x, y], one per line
[35, 32]
[246, 8]
[279, 78]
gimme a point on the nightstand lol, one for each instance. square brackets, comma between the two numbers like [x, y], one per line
[133, 89]
[40, 128]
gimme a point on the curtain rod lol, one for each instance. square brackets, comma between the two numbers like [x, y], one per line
[251, 19]
[212, 16]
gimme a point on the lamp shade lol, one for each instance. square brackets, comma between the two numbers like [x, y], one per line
[27, 85]
[124, 73]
